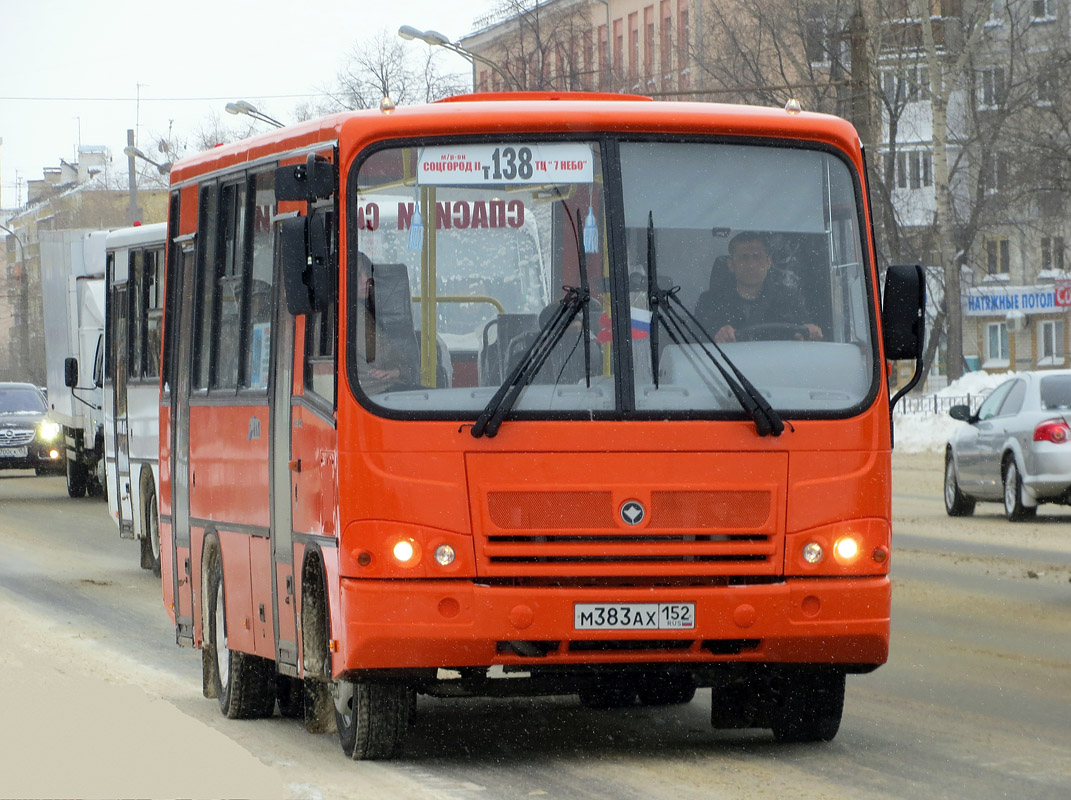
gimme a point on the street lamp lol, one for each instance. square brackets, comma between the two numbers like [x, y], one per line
[162, 167]
[242, 107]
[436, 39]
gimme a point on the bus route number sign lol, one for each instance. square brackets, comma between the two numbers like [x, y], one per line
[489, 164]
[633, 616]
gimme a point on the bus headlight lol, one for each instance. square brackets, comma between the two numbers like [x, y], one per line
[444, 555]
[404, 551]
[812, 553]
[846, 549]
[48, 431]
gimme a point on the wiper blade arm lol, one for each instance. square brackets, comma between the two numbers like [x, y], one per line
[685, 327]
[531, 362]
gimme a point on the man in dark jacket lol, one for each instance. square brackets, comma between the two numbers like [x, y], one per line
[752, 295]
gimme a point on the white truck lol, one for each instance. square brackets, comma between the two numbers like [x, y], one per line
[73, 292]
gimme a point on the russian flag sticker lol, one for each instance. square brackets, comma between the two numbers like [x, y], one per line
[641, 323]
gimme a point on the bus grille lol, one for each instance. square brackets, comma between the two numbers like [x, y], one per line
[580, 533]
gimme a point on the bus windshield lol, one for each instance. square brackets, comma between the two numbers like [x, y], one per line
[465, 252]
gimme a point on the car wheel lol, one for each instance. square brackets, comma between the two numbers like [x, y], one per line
[957, 504]
[1014, 509]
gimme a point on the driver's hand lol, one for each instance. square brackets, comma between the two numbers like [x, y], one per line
[725, 334]
[814, 332]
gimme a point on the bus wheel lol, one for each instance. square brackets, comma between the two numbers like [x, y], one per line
[244, 684]
[810, 706]
[76, 478]
[150, 543]
[372, 718]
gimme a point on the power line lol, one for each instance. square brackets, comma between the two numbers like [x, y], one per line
[157, 99]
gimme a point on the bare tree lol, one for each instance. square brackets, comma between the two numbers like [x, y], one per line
[538, 46]
[384, 66]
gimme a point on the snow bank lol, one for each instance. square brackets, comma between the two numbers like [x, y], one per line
[927, 432]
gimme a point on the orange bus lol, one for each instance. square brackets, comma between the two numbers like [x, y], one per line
[448, 408]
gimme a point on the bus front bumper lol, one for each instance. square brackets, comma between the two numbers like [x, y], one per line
[452, 624]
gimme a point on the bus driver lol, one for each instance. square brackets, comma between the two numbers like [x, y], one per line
[751, 295]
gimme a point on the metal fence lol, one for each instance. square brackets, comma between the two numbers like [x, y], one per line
[936, 404]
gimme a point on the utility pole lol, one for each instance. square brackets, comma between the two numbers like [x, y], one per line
[132, 213]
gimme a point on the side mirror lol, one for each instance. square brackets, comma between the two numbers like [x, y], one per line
[70, 372]
[293, 255]
[306, 263]
[962, 413]
[305, 182]
[903, 312]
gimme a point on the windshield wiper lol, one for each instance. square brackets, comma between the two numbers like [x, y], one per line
[531, 362]
[684, 327]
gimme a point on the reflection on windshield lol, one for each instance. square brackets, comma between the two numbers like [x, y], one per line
[21, 401]
[465, 252]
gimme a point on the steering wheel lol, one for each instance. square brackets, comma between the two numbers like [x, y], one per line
[772, 331]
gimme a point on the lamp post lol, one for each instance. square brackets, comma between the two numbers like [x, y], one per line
[436, 39]
[249, 110]
[163, 167]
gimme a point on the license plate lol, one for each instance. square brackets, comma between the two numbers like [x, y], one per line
[12, 452]
[633, 616]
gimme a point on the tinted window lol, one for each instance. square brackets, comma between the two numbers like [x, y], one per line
[1056, 391]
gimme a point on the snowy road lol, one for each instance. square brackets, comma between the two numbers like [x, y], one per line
[97, 701]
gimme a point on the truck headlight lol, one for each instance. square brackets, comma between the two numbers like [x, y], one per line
[49, 431]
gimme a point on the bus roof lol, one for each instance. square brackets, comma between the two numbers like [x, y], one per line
[535, 112]
[137, 234]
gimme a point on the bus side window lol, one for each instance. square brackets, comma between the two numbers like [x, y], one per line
[154, 262]
[229, 285]
[256, 325]
[205, 287]
[321, 331]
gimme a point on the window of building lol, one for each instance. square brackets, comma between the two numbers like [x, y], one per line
[1046, 91]
[633, 46]
[1052, 252]
[997, 256]
[991, 88]
[619, 45]
[997, 351]
[1051, 351]
[1042, 10]
[666, 40]
[683, 38]
[816, 36]
[995, 173]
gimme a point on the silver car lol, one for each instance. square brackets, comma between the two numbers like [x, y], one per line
[1015, 450]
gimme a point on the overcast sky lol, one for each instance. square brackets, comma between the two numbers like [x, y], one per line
[71, 70]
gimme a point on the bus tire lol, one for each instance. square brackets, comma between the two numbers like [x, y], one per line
[76, 478]
[809, 705]
[150, 542]
[372, 718]
[244, 684]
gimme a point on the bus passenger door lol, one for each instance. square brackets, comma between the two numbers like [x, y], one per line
[120, 432]
[182, 569]
[282, 470]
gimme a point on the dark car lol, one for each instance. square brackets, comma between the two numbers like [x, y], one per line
[28, 438]
[1016, 450]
